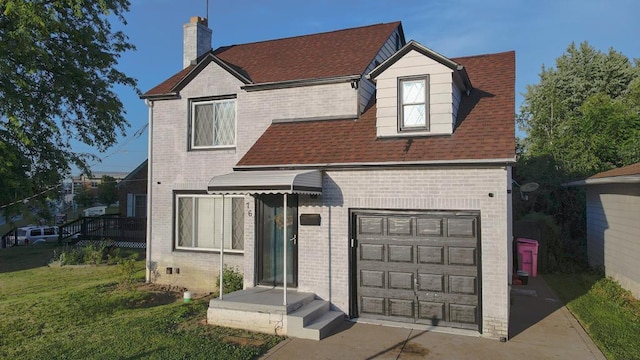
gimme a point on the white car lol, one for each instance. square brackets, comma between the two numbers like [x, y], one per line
[36, 234]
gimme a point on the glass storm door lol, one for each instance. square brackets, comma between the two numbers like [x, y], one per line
[270, 241]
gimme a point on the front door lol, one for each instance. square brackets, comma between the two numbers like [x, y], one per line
[271, 239]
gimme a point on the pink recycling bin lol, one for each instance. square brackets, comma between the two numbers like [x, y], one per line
[528, 256]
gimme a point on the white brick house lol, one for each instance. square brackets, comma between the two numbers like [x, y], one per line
[394, 160]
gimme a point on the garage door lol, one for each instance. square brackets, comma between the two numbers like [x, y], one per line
[418, 267]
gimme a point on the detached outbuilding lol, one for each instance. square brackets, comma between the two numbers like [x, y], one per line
[613, 224]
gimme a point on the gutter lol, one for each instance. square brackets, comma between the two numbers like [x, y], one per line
[298, 83]
[167, 96]
[149, 104]
[629, 179]
[361, 165]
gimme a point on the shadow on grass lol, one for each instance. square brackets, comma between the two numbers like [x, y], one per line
[152, 299]
[19, 258]
[544, 295]
[147, 354]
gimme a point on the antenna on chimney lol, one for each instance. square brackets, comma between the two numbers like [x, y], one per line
[207, 9]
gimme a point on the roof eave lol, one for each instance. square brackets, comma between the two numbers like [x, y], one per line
[300, 83]
[134, 171]
[460, 162]
[464, 76]
[202, 62]
[166, 96]
[629, 179]
[414, 45]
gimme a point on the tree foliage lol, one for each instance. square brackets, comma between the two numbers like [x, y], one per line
[107, 191]
[58, 70]
[584, 112]
[580, 119]
[84, 197]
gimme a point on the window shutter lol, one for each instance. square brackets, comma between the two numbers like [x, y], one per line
[130, 205]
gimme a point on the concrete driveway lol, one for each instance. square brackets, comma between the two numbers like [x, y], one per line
[541, 328]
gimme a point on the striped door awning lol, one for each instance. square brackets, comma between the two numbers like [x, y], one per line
[267, 182]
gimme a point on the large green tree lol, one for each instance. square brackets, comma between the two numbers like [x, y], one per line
[84, 197]
[584, 112]
[107, 190]
[582, 117]
[58, 70]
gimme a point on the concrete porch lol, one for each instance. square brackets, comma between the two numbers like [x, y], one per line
[261, 309]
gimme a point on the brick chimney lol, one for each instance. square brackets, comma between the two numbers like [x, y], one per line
[197, 39]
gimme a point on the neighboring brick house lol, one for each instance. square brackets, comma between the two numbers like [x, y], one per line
[394, 162]
[132, 192]
[613, 206]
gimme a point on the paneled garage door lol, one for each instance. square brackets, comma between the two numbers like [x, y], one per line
[418, 267]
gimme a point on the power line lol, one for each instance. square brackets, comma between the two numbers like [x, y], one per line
[25, 200]
[136, 135]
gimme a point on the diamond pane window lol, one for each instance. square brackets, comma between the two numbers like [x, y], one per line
[237, 235]
[213, 124]
[203, 125]
[203, 221]
[413, 92]
[185, 222]
[225, 124]
[413, 107]
[414, 116]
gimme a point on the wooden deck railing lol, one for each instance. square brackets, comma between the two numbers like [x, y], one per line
[123, 231]
[8, 239]
[131, 231]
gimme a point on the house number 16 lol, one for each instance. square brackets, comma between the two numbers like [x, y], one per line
[249, 212]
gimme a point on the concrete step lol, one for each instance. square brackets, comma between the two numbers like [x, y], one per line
[307, 314]
[326, 323]
[322, 327]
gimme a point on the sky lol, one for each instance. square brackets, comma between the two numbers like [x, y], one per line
[539, 32]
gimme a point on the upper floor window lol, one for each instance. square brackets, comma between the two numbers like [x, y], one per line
[413, 104]
[213, 124]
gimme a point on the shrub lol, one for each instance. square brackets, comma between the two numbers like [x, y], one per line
[93, 254]
[69, 255]
[127, 271]
[232, 280]
[114, 256]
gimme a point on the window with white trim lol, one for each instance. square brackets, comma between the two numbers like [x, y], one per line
[413, 104]
[213, 124]
[136, 205]
[204, 221]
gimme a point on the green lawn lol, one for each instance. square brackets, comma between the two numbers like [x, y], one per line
[609, 313]
[84, 313]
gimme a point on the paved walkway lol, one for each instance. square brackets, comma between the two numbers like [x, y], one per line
[541, 328]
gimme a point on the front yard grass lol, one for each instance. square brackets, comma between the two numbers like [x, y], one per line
[84, 313]
[609, 313]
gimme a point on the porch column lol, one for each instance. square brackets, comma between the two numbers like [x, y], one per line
[285, 240]
[221, 248]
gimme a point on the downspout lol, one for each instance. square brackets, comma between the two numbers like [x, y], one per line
[149, 104]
